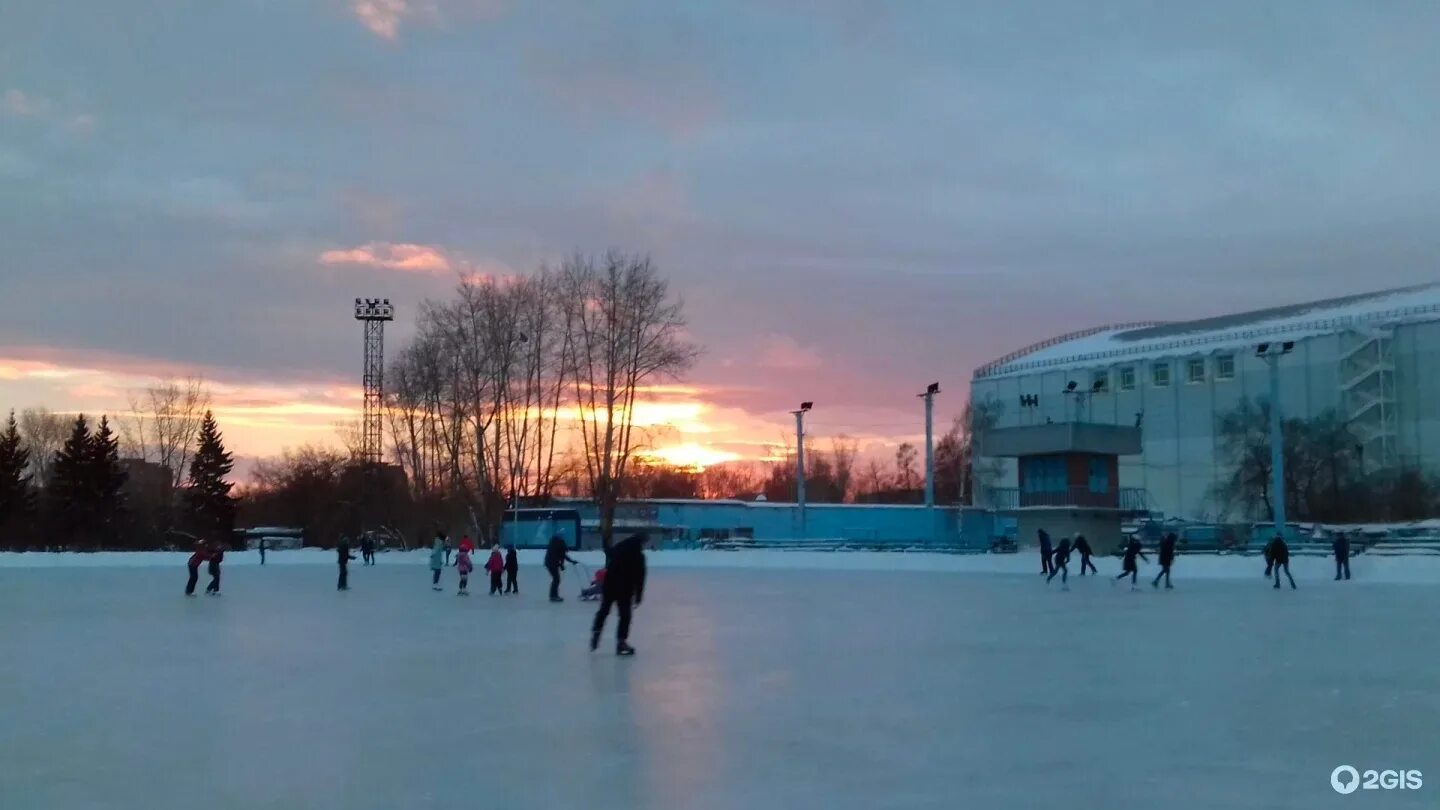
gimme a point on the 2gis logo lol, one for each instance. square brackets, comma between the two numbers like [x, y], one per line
[1346, 779]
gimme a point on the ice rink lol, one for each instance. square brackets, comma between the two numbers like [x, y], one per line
[752, 689]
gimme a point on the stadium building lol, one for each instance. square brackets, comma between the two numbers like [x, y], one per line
[1373, 358]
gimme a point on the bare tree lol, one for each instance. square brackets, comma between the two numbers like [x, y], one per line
[625, 330]
[905, 456]
[44, 434]
[843, 451]
[163, 422]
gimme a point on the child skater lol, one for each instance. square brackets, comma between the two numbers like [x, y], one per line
[496, 566]
[463, 567]
[1060, 564]
[512, 570]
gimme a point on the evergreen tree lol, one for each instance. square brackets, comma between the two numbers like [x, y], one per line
[212, 510]
[106, 479]
[17, 498]
[68, 491]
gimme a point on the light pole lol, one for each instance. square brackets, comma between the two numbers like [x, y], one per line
[929, 396]
[1271, 354]
[800, 460]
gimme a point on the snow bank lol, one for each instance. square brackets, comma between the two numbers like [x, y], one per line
[1366, 568]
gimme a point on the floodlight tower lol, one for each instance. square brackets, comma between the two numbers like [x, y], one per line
[1271, 354]
[929, 396]
[800, 460]
[373, 313]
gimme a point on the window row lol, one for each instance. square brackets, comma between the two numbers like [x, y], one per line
[1196, 370]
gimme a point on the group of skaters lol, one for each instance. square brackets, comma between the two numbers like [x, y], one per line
[619, 585]
[503, 566]
[1055, 558]
[210, 554]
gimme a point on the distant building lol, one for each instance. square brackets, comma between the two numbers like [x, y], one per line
[1369, 357]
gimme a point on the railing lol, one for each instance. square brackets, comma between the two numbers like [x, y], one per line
[1130, 499]
[1216, 336]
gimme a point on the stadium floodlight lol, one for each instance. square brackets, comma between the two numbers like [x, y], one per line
[804, 406]
[929, 396]
[1070, 386]
[1098, 386]
[800, 460]
[1271, 354]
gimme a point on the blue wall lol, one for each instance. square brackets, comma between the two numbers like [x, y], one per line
[864, 523]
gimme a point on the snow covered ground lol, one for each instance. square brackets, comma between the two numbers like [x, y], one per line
[780, 680]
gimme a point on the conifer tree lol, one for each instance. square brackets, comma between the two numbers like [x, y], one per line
[212, 510]
[17, 497]
[68, 491]
[106, 479]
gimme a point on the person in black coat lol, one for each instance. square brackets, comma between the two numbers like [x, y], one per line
[217, 556]
[512, 570]
[556, 555]
[1342, 555]
[624, 586]
[367, 550]
[1082, 547]
[1046, 552]
[1060, 563]
[1167, 559]
[1129, 567]
[342, 556]
[1280, 553]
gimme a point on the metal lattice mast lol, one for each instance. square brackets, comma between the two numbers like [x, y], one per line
[373, 313]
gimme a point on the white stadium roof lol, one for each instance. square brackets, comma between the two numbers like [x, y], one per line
[1113, 344]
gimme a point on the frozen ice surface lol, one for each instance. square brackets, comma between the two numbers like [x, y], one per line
[753, 688]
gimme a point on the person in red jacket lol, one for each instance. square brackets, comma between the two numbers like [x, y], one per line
[496, 566]
[193, 564]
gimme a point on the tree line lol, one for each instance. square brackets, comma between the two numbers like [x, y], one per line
[65, 485]
[1327, 478]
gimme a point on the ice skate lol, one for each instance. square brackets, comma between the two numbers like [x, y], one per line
[1169, 587]
[557, 599]
[624, 649]
[594, 641]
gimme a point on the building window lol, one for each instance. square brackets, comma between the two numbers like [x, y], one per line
[1160, 375]
[1100, 382]
[1127, 378]
[1225, 367]
[1044, 474]
[1195, 370]
[1099, 475]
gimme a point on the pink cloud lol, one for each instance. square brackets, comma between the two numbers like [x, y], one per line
[785, 353]
[405, 257]
[17, 103]
[385, 18]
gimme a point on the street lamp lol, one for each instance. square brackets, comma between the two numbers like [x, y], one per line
[800, 460]
[1271, 354]
[929, 396]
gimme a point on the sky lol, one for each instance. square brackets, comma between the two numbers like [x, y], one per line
[853, 199]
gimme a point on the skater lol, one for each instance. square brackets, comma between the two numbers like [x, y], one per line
[1082, 547]
[262, 551]
[448, 549]
[624, 582]
[1280, 553]
[496, 566]
[556, 555]
[1045, 552]
[1269, 559]
[512, 570]
[367, 550]
[1342, 555]
[193, 565]
[1167, 559]
[437, 561]
[463, 567]
[217, 556]
[342, 556]
[1060, 564]
[1130, 569]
